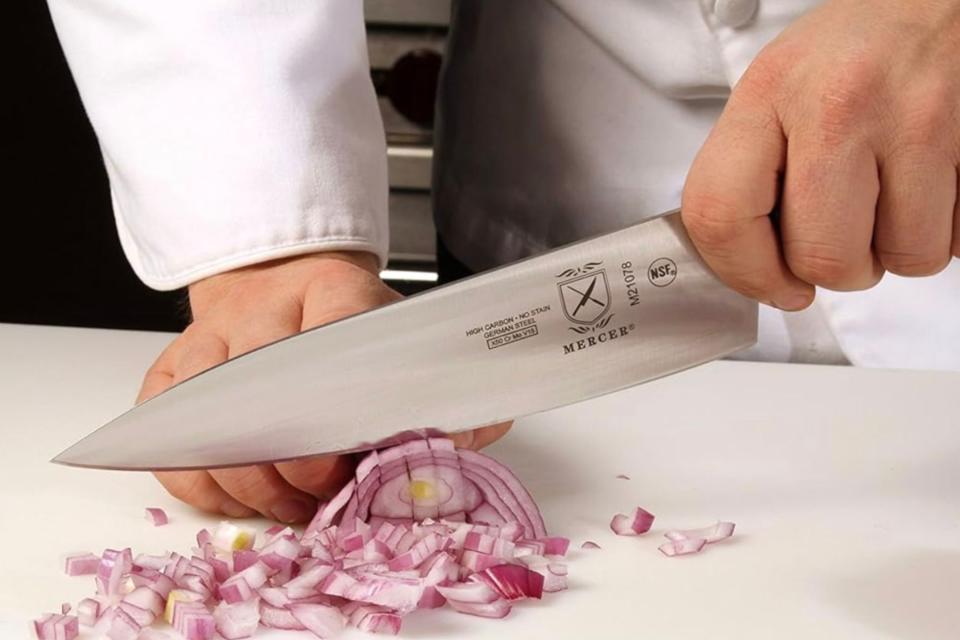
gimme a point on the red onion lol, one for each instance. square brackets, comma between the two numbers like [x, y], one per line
[240, 620]
[193, 620]
[322, 620]
[277, 618]
[495, 609]
[85, 564]
[56, 627]
[469, 592]
[511, 581]
[555, 545]
[639, 521]
[682, 547]
[420, 526]
[88, 610]
[157, 516]
[686, 541]
[380, 622]
[123, 626]
[713, 533]
[589, 544]
[114, 565]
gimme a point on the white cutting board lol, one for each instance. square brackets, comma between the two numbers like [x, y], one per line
[844, 484]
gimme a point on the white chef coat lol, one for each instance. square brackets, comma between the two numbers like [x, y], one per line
[238, 131]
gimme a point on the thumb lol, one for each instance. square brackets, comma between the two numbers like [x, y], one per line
[343, 291]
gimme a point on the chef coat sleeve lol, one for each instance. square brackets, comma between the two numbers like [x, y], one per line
[233, 131]
[904, 323]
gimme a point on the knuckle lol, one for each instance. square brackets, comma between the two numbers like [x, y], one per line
[922, 123]
[844, 100]
[912, 263]
[765, 75]
[711, 221]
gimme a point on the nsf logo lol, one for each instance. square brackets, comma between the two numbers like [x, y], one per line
[662, 272]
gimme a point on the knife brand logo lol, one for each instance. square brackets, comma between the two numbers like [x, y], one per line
[585, 300]
[584, 294]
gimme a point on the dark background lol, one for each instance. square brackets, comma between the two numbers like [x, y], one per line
[60, 256]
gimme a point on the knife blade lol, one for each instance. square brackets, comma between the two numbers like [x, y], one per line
[581, 321]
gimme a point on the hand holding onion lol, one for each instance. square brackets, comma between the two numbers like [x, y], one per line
[241, 310]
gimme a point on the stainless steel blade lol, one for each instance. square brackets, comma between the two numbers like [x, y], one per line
[575, 323]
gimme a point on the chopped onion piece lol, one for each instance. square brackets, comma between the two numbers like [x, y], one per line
[512, 581]
[322, 620]
[639, 521]
[622, 476]
[469, 592]
[56, 627]
[240, 620]
[590, 544]
[193, 621]
[123, 626]
[381, 622]
[157, 516]
[555, 545]
[84, 564]
[495, 609]
[229, 537]
[277, 618]
[682, 547]
[88, 610]
[713, 533]
[175, 596]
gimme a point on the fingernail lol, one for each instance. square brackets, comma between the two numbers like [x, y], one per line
[290, 511]
[793, 302]
[234, 509]
[464, 440]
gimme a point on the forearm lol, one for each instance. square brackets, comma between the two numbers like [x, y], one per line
[233, 133]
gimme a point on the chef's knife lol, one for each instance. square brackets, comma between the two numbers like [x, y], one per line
[578, 322]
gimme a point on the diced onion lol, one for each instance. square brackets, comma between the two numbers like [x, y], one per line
[157, 516]
[682, 547]
[420, 526]
[639, 521]
[713, 533]
[85, 564]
